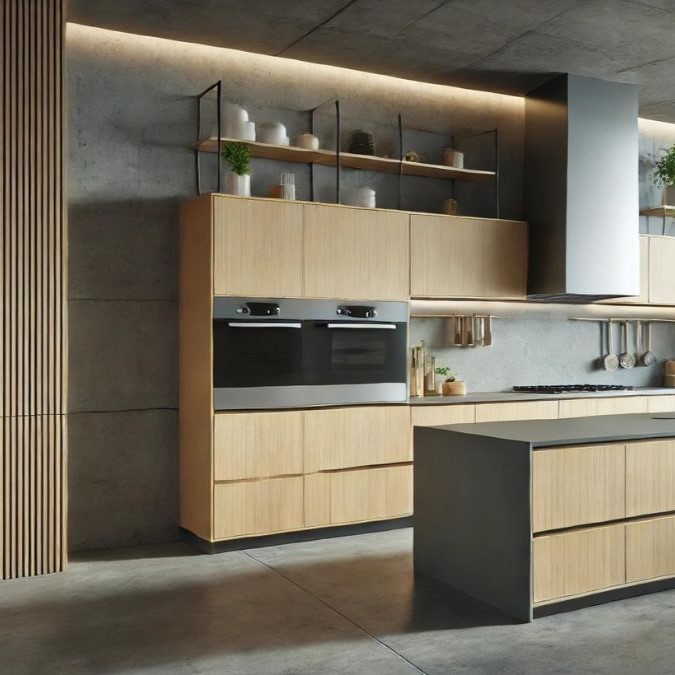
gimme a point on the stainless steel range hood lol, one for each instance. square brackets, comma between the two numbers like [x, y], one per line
[581, 190]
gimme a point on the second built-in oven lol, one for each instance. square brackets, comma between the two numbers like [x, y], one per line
[278, 353]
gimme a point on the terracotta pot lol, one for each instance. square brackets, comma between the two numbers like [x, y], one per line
[455, 388]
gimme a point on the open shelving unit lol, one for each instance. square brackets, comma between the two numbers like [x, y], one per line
[338, 158]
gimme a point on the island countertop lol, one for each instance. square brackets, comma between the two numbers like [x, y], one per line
[574, 430]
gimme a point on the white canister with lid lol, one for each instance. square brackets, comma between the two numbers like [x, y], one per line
[273, 133]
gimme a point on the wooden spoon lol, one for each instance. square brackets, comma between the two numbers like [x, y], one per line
[611, 361]
[626, 359]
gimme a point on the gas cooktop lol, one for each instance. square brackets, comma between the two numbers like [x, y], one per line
[570, 388]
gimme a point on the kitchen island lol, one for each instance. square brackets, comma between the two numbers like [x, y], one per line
[538, 516]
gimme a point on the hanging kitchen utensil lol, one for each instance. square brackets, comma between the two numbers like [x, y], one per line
[626, 359]
[487, 331]
[638, 343]
[458, 332]
[611, 361]
[471, 331]
[649, 358]
[480, 329]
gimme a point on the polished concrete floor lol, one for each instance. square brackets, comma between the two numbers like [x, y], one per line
[342, 605]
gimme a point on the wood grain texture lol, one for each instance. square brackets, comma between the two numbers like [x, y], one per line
[650, 549]
[578, 562]
[356, 253]
[257, 247]
[258, 507]
[661, 404]
[196, 367]
[361, 436]
[662, 270]
[650, 477]
[33, 263]
[257, 445]
[437, 415]
[586, 407]
[455, 257]
[577, 486]
[518, 410]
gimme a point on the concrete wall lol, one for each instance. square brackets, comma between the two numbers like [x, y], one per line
[132, 122]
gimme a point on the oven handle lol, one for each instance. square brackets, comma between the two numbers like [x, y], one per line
[254, 324]
[376, 326]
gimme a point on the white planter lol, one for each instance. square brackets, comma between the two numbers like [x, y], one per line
[237, 185]
[669, 195]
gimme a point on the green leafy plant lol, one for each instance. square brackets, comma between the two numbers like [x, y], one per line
[238, 155]
[445, 372]
[664, 171]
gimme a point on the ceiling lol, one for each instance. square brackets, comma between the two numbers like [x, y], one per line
[508, 46]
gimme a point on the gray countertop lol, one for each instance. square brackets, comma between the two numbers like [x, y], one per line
[508, 396]
[574, 430]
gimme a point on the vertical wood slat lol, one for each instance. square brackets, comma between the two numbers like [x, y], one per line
[33, 253]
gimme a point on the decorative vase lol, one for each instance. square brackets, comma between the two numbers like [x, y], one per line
[236, 184]
[669, 195]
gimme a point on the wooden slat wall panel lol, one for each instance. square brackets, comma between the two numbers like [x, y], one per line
[33, 248]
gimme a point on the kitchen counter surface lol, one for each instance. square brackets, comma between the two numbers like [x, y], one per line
[509, 396]
[573, 430]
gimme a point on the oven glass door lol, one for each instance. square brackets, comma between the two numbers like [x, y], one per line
[358, 353]
[257, 353]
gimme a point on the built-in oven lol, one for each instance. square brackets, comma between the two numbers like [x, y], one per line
[291, 353]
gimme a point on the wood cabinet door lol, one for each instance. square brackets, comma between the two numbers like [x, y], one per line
[661, 403]
[258, 507]
[586, 407]
[257, 445]
[518, 410]
[346, 437]
[643, 298]
[650, 549]
[257, 247]
[662, 270]
[579, 562]
[357, 495]
[437, 415]
[455, 257]
[577, 486]
[358, 254]
[650, 477]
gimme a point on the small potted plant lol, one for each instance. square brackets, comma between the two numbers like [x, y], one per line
[238, 181]
[664, 175]
[451, 386]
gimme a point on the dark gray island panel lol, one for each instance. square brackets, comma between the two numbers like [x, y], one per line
[472, 516]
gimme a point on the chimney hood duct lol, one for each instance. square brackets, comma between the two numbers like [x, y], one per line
[581, 190]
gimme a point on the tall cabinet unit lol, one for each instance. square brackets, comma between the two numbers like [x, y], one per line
[253, 473]
[33, 247]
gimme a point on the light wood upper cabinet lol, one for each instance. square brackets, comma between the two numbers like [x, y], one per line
[356, 253]
[468, 257]
[577, 485]
[349, 437]
[257, 247]
[662, 270]
[650, 477]
[643, 298]
[257, 445]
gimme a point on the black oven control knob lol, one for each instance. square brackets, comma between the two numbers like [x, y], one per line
[243, 310]
[357, 311]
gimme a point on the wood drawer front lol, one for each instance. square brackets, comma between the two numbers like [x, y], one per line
[257, 445]
[356, 253]
[577, 486]
[518, 410]
[650, 477]
[661, 404]
[357, 495]
[586, 407]
[364, 436]
[437, 415]
[579, 562]
[650, 549]
[257, 248]
[258, 507]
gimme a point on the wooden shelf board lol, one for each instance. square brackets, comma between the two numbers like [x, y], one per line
[287, 153]
[662, 211]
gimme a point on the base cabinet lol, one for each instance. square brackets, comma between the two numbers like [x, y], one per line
[650, 549]
[578, 562]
